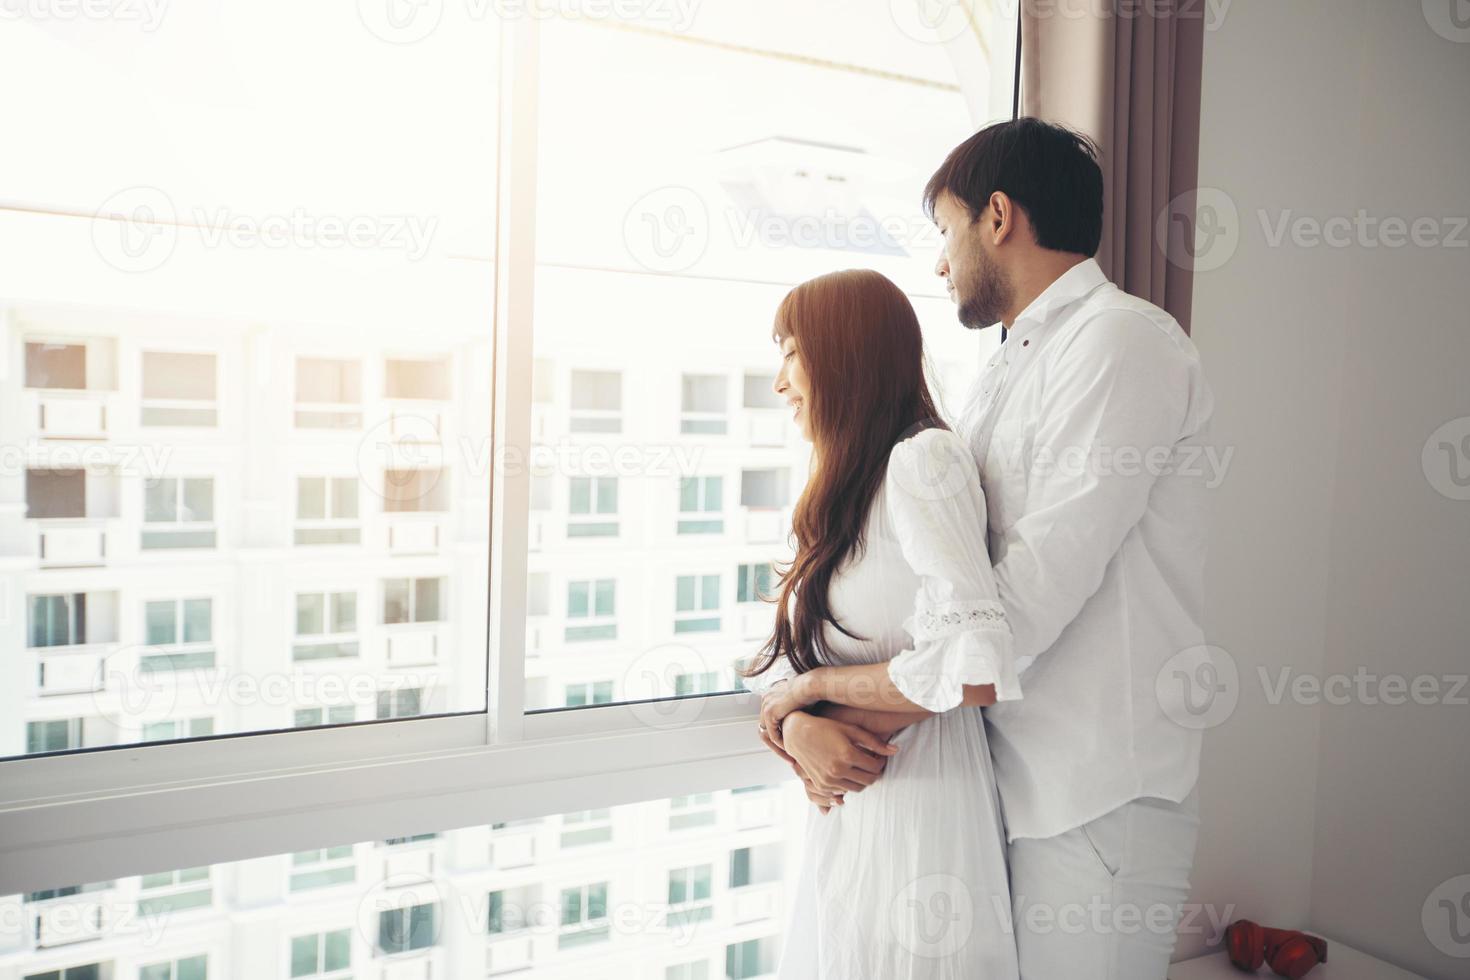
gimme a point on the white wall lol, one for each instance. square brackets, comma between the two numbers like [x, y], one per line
[1330, 550]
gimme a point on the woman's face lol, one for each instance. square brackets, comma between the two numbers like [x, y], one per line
[792, 384]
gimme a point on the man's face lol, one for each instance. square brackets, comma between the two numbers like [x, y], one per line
[976, 282]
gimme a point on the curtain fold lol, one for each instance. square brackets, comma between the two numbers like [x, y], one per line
[1129, 77]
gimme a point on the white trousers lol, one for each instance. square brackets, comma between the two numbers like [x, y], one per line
[1103, 901]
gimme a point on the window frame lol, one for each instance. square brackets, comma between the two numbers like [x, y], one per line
[215, 799]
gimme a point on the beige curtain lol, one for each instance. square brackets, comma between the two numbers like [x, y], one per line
[1131, 81]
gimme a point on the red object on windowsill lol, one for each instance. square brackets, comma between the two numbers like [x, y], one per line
[1289, 952]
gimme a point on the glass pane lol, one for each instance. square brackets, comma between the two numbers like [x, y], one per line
[800, 150]
[311, 614]
[426, 601]
[579, 498]
[293, 258]
[198, 620]
[395, 601]
[344, 612]
[304, 955]
[311, 498]
[161, 623]
[160, 501]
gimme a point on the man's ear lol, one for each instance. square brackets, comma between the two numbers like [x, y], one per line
[1001, 218]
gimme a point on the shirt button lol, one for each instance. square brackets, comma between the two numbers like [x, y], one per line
[1025, 343]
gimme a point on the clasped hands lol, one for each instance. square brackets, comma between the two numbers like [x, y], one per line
[830, 752]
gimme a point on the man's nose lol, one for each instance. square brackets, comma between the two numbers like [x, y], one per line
[941, 268]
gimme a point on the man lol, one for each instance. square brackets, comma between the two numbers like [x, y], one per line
[1085, 424]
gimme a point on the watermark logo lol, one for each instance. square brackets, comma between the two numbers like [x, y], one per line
[655, 674]
[400, 458]
[400, 21]
[1446, 459]
[1199, 230]
[147, 14]
[1446, 917]
[1450, 19]
[933, 916]
[1198, 687]
[136, 229]
[933, 21]
[933, 466]
[667, 230]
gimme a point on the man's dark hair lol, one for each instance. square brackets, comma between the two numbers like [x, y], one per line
[1049, 171]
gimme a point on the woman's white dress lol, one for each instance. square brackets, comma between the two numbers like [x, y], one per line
[907, 880]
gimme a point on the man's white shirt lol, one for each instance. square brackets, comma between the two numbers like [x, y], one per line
[1090, 428]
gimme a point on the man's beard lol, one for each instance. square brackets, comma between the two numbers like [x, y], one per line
[986, 295]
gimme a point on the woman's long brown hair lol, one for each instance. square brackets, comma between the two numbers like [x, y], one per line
[859, 341]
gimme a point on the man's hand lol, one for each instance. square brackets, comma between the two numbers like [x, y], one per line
[835, 757]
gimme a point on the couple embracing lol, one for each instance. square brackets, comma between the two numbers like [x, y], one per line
[965, 667]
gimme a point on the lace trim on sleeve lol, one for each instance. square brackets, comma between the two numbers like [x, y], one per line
[933, 622]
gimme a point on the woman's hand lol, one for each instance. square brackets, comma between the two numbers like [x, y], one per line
[835, 757]
[781, 700]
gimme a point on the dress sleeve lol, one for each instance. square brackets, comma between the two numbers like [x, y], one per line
[937, 511]
[781, 670]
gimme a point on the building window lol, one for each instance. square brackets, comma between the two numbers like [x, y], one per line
[323, 868]
[56, 620]
[413, 600]
[689, 896]
[192, 968]
[763, 489]
[585, 827]
[400, 702]
[337, 714]
[53, 736]
[752, 958]
[321, 953]
[417, 379]
[583, 916]
[178, 512]
[703, 406]
[760, 391]
[697, 604]
[753, 582]
[757, 865]
[696, 970]
[328, 393]
[180, 633]
[593, 506]
[56, 366]
[405, 929]
[179, 390]
[175, 891]
[91, 971]
[326, 510]
[326, 626]
[589, 692]
[56, 494]
[415, 491]
[592, 610]
[597, 401]
[701, 505]
[509, 910]
[697, 810]
[173, 728]
[706, 682]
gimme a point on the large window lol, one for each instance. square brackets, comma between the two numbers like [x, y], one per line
[418, 405]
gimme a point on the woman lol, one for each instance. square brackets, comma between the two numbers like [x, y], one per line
[904, 874]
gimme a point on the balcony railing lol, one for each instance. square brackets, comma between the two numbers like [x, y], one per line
[71, 542]
[67, 414]
[75, 669]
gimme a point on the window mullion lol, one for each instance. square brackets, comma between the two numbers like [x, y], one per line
[514, 311]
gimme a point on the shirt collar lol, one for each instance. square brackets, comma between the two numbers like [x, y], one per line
[1070, 286]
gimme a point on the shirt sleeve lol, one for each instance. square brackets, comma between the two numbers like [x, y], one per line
[937, 511]
[1116, 397]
